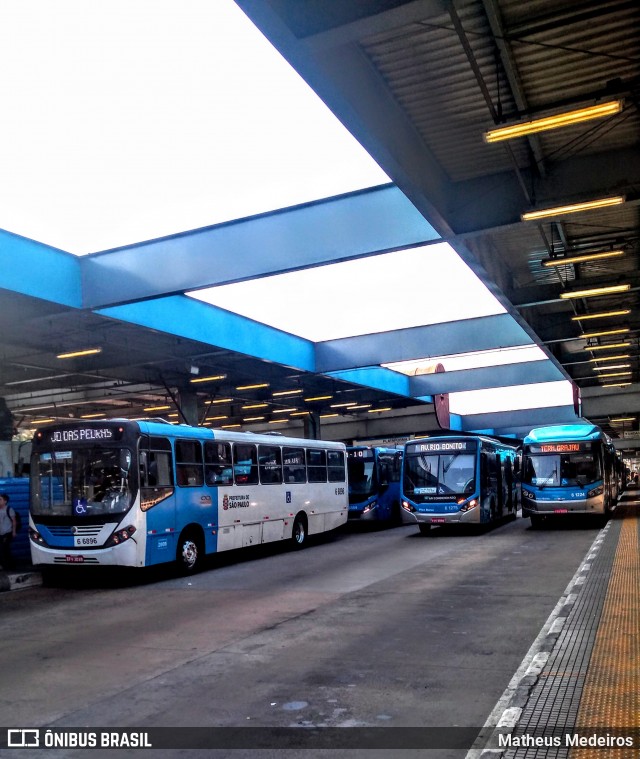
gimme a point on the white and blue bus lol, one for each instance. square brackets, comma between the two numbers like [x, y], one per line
[568, 469]
[459, 479]
[138, 493]
[374, 483]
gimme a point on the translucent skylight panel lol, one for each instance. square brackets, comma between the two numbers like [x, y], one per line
[408, 288]
[126, 121]
[471, 360]
[497, 399]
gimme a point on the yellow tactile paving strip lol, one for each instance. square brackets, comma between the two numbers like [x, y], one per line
[610, 702]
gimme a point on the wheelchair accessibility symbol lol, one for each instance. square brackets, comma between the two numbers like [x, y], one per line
[288, 496]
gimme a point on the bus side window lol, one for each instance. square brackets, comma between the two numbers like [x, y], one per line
[397, 464]
[189, 463]
[316, 465]
[217, 464]
[336, 468]
[294, 466]
[270, 458]
[156, 471]
[245, 464]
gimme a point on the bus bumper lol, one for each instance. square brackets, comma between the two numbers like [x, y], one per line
[558, 508]
[457, 517]
[368, 514]
[123, 555]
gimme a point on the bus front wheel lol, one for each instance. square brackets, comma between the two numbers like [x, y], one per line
[299, 532]
[190, 552]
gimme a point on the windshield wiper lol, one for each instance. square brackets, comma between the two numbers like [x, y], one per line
[552, 476]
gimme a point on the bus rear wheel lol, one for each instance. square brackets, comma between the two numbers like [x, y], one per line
[299, 532]
[190, 552]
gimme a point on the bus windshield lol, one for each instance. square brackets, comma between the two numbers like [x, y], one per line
[439, 474]
[84, 482]
[557, 470]
[361, 477]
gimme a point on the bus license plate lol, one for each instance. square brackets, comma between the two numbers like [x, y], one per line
[438, 520]
[80, 541]
[74, 559]
[561, 511]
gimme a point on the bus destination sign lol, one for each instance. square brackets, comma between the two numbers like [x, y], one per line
[360, 453]
[559, 447]
[443, 446]
[80, 435]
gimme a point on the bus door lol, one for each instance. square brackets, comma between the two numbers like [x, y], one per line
[488, 474]
[157, 498]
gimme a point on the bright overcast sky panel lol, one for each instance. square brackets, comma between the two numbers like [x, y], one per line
[126, 121]
[408, 288]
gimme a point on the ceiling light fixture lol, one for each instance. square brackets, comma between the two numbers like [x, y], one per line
[609, 368]
[378, 410]
[156, 408]
[593, 291]
[318, 398]
[601, 315]
[75, 354]
[254, 405]
[221, 400]
[604, 333]
[588, 205]
[616, 374]
[579, 259]
[253, 387]
[91, 416]
[610, 358]
[253, 419]
[213, 378]
[623, 419]
[616, 384]
[545, 123]
[286, 392]
[607, 346]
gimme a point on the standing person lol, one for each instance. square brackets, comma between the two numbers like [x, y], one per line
[8, 529]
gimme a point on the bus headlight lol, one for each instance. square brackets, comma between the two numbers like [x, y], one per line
[120, 536]
[596, 491]
[407, 506]
[37, 537]
[469, 505]
[528, 494]
[369, 506]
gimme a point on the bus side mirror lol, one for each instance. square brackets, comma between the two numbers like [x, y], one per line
[125, 461]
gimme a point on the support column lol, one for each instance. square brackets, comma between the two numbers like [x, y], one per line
[188, 401]
[312, 425]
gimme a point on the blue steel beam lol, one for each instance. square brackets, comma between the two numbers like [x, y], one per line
[194, 320]
[485, 377]
[378, 378]
[521, 420]
[482, 333]
[31, 268]
[350, 226]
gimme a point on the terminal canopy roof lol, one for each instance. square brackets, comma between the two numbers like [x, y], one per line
[296, 200]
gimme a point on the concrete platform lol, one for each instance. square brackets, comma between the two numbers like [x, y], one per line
[578, 691]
